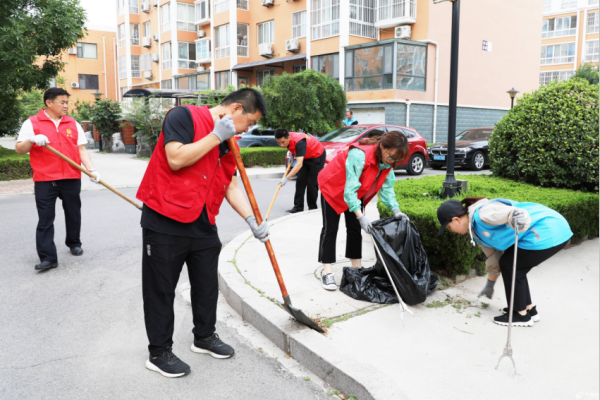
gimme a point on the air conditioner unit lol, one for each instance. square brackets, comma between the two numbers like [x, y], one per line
[146, 42]
[155, 37]
[155, 58]
[201, 34]
[73, 52]
[146, 7]
[403, 32]
[148, 74]
[201, 68]
[155, 3]
[75, 85]
[265, 50]
[292, 45]
[268, 3]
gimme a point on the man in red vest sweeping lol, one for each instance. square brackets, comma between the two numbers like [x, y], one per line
[310, 160]
[191, 172]
[52, 176]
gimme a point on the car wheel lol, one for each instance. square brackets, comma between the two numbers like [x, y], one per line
[477, 161]
[416, 164]
[436, 166]
[255, 145]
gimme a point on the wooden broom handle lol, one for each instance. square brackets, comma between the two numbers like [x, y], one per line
[85, 171]
[277, 192]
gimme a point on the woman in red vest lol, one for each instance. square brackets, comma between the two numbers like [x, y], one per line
[347, 185]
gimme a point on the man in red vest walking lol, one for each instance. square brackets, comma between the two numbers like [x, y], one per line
[54, 177]
[310, 160]
[189, 175]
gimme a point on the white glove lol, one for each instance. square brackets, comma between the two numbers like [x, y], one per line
[365, 223]
[39, 140]
[283, 181]
[398, 213]
[261, 232]
[96, 176]
[224, 128]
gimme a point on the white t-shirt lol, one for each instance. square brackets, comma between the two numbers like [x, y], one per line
[26, 131]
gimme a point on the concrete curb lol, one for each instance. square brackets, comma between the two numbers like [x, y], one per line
[310, 348]
[267, 175]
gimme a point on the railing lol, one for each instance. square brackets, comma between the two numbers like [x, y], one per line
[392, 9]
[363, 30]
[557, 34]
[242, 51]
[242, 5]
[222, 52]
[166, 65]
[558, 60]
[136, 74]
[187, 64]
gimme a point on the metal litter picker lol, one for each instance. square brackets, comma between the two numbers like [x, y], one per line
[508, 349]
[277, 192]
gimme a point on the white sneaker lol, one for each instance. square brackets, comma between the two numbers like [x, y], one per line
[328, 281]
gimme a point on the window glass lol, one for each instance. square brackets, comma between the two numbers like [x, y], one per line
[327, 64]
[299, 24]
[87, 50]
[165, 17]
[411, 64]
[147, 29]
[88, 82]
[375, 132]
[371, 69]
[166, 56]
[135, 34]
[185, 17]
[266, 32]
[260, 75]
[343, 135]
[203, 50]
[222, 41]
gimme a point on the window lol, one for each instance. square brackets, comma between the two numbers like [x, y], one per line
[147, 29]
[88, 82]
[558, 54]
[392, 9]
[299, 25]
[559, 27]
[549, 76]
[122, 67]
[266, 32]
[362, 18]
[370, 68]
[186, 55]
[135, 66]
[194, 82]
[242, 40]
[325, 18]
[121, 35]
[146, 62]
[591, 51]
[223, 79]
[133, 7]
[565, 4]
[242, 5]
[165, 17]
[299, 68]
[135, 34]
[261, 75]
[592, 2]
[87, 50]
[203, 50]
[166, 84]
[221, 5]
[222, 41]
[185, 17]
[327, 64]
[547, 6]
[166, 56]
[592, 22]
[202, 10]
[411, 64]
[121, 7]
[202, 81]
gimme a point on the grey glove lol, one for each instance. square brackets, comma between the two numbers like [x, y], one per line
[365, 224]
[261, 232]
[398, 213]
[519, 215]
[488, 289]
[224, 128]
[283, 181]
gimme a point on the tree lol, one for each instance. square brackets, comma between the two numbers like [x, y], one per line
[82, 111]
[33, 34]
[31, 103]
[587, 72]
[146, 116]
[309, 101]
[105, 117]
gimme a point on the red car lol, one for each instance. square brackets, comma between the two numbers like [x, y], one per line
[338, 140]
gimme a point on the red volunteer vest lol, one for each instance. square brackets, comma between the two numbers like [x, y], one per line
[181, 195]
[45, 165]
[314, 148]
[332, 179]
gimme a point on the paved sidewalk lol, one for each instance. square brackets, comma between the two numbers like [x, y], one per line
[447, 350]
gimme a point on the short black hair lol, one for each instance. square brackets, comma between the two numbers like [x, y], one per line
[252, 100]
[53, 93]
[351, 113]
[281, 133]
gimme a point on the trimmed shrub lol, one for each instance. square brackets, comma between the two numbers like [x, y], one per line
[550, 138]
[453, 254]
[259, 156]
[14, 166]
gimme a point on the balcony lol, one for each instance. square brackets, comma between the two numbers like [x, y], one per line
[242, 51]
[390, 13]
[202, 13]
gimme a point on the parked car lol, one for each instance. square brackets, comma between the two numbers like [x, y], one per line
[339, 139]
[255, 137]
[472, 150]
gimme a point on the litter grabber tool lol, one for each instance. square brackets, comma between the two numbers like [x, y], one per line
[403, 306]
[508, 352]
[287, 303]
[277, 192]
[85, 171]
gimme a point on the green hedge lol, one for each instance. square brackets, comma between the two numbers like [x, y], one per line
[452, 254]
[13, 165]
[259, 156]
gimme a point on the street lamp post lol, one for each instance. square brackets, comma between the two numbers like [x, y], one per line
[98, 95]
[512, 93]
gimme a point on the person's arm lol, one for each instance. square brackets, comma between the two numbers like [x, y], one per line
[497, 213]
[23, 144]
[23, 147]
[86, 160]
[235, 197]
[181, 155]
[300, 154]
[387, 194]
[297, 167]
[355, 163]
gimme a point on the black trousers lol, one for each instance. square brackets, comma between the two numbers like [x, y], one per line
[331, 223]
[162, 261]
[526, 260]
[307, 182]
[46, 193]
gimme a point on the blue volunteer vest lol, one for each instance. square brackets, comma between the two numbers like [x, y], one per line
[551, 228]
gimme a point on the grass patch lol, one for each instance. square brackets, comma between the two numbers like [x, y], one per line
[328, 322]
[437, 304]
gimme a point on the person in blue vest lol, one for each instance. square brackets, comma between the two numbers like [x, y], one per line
[543, 232]
[350, 120]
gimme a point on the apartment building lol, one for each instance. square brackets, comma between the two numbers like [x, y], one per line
[569, 38]
[392, 56]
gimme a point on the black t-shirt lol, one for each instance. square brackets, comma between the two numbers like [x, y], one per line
[301, 148]
[178, 126]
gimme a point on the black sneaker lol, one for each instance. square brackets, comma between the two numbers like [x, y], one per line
[168, 364]
[44, 265]
[328, 281]
[533, 312]
[76, 251]
[294, 210]
[214, 346]
[517, 319]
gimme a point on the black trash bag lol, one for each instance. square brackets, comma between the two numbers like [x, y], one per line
[400, 245]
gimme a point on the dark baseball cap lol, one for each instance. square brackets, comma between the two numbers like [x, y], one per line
[448, 210]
